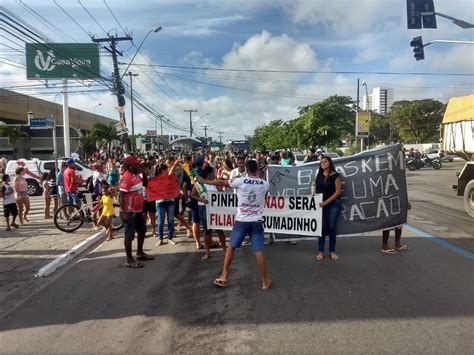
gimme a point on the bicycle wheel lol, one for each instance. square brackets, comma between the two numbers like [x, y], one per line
[69, 218]
[117, 223]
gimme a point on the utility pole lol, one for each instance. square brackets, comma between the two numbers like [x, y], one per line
[131, 75]
[190, 121]
[161, 123]
[205, 130]
[220, 136]
[118, 86]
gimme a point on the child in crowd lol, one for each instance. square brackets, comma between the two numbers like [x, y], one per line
[107, 202]
[202, 198]
[46, 195]
[9, 202]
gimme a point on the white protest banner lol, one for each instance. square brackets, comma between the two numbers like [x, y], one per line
[374, 188]
[299, 215]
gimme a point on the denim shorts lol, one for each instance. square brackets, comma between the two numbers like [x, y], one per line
[203, 218]
[253, 229]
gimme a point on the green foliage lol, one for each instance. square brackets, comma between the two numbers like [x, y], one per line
[13, 134]
[105, 134]
[323, 123]
[417, 121]
[88, 143]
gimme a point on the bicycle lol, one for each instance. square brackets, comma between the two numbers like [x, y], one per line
[69, 218]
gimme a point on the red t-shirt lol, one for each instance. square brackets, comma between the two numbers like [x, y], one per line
[70, 180]
[132, 187]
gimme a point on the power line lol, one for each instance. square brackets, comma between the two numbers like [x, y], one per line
[300, 71]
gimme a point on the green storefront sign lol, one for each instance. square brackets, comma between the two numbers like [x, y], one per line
[62, 61]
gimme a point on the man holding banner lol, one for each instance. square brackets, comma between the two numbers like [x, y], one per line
[251, 192]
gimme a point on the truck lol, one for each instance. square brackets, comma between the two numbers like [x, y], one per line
[458, 139]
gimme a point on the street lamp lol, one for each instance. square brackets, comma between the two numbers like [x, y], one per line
[95, 107]
[368, 116]
[154, 30]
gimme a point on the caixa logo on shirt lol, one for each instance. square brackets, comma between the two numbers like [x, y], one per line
[253, 182]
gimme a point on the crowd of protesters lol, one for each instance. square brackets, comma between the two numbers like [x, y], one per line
[125, 180]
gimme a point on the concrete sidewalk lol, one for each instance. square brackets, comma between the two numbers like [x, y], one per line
[25, 250]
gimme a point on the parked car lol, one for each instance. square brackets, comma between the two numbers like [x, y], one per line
[35, 168]
[440, 154]
[331, 155]
[299, 158]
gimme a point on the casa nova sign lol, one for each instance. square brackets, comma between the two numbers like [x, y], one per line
[62, 61]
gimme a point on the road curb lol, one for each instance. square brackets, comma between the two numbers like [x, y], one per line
[63, 259]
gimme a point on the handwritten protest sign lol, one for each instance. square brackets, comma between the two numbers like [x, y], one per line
[162, 187]
[299, 215]
[374, 195]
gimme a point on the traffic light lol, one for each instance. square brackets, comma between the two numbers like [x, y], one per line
[417, 44]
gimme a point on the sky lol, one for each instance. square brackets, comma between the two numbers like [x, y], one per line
[338, 41]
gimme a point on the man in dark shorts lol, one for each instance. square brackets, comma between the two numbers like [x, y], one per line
[131, 211]
[251, 192]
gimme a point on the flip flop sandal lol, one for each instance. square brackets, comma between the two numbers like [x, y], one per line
[388, 251]
[134, 265]
[220, 283]
[268, 287]
[145, 257]
[402, 248]
[319, 257]
[334, 257]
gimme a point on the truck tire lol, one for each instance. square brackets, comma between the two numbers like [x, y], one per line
[469, 198]
[33, 188]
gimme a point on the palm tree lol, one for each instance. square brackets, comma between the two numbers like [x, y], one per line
[13, 134]
[105, 133]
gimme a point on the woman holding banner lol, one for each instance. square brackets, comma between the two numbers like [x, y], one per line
[328, 182]
[166, 206]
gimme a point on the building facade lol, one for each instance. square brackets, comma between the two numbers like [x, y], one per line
[380, 100]
[39, 143]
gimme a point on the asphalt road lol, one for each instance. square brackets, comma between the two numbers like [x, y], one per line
[414, 302]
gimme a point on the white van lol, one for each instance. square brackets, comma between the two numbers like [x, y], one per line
[35, 168]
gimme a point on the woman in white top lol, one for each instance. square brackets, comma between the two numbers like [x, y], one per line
[202, 199]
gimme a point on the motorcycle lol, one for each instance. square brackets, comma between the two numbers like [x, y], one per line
[435, 163]
[415, 163]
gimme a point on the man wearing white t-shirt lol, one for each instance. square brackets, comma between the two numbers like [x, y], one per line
[251, 192]
[239, 171]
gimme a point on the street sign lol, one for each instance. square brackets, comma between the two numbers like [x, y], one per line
[146, 140]
[413, 15]
[362, 124]
[420, 14]
[42, 123]
[62, 61]
[121, 129]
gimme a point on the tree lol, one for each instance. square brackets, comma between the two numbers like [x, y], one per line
[88, 143]
[323, 123]
[417, 121]
[105, 133]
[13, 135]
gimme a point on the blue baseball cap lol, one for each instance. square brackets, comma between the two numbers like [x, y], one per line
[70, 161]
[199, 160]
